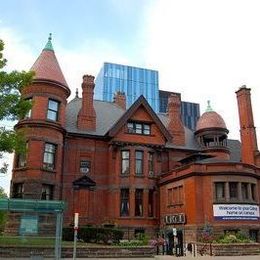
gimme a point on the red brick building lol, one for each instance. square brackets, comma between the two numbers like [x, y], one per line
[135, 169]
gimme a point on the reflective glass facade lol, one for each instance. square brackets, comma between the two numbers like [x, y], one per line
[190, 112]
[133, 81]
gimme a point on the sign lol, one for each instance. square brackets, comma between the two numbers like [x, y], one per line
[236, 212]
[175, 219]
[28, 225]
[84, 166]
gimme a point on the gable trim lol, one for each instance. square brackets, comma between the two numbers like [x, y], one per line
[127, 115]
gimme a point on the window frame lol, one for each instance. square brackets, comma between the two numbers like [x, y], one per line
[21, 159]
[137, 160]
[46, 165]
[139, 128]
[48, 195]
[124, 202]
[123, 160]
[151, 203]
[221, 198]
[139, 203]
[18, 190]
[51, 110]
[150, 163]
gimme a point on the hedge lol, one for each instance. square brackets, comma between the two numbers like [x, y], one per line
[92, 234]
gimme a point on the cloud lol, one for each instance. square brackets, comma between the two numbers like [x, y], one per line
[206, 50]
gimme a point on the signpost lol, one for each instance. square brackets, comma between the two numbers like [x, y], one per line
[76, 225]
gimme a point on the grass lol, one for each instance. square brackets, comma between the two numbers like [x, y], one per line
[29, 241]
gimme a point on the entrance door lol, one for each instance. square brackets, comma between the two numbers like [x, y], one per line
[179, 245]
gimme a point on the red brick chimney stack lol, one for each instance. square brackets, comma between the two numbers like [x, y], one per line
[87, 114]
[175, 126]
[120, 99]
[247, 128]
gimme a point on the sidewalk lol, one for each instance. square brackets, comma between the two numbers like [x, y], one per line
[158, 257]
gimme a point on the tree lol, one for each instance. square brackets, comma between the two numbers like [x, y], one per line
[3, 195]
[12, 107]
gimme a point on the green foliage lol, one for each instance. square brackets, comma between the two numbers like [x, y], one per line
[12, 106]
[131, 243]
[229, 238]
[3, 215]
[92, 234]
[206, 234]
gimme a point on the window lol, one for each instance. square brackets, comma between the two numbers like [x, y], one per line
[124, 202]
[53, 107]
[150, 203]
[138, 128]
[220, 191]
[244, 191]
[139, 163]
[49, 156]
[18, 190]
[233, 192]
[29, 113]
[150, 164]
[22, 158]
[47, 192]
[169, 196]
[175, 195]
[139, 202]
[253, 191]
[125, 156]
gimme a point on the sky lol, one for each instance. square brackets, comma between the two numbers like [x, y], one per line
[203, 49]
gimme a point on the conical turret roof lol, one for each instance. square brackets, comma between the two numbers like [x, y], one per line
[46, 67]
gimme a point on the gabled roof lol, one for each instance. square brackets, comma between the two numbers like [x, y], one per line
[46, 67]
[141, 101]
[107, 115]
[84, 182]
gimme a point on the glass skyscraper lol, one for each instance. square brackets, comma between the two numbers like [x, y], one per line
[133, 81]
[190, 112]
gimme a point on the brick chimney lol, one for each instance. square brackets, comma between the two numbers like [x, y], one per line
[247, 128]
[120, 99]
[87, 114]
[175, 126]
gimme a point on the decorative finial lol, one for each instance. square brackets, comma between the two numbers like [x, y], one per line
[48, 45]
[209, 108]
[77, 93]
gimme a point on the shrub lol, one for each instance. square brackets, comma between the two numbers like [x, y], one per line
[233, 238]
[92, 234]
[68, 234]
[131, 243]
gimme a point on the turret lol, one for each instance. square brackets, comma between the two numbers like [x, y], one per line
[211, 133]
[37, 175]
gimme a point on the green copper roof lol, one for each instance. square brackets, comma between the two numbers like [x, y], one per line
[209, 108]
[48, 46]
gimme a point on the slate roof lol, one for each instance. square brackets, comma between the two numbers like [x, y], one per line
[46, 67]
[108, 114]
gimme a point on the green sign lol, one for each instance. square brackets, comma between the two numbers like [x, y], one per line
[29, 225]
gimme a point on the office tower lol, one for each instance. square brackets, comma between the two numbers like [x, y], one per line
[133, 81]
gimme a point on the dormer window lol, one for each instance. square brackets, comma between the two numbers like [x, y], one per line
[138, 128]
[53, 108]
